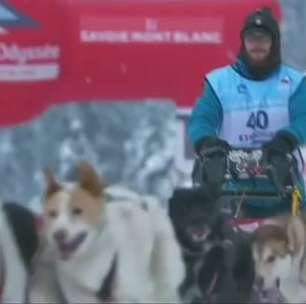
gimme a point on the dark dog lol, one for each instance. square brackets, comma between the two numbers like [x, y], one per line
[24, 227]
[218, 259]
[18, 245]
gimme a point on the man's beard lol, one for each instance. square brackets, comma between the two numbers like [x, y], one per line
[261, 69]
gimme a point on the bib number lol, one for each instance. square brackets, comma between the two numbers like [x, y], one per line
[258, 120]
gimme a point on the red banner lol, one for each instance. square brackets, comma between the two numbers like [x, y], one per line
[56, 51]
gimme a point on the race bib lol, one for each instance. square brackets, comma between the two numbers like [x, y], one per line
[249, 129]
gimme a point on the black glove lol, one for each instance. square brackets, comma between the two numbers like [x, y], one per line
[275, 158]
[211, 146]
[212, 161]
[282, 143]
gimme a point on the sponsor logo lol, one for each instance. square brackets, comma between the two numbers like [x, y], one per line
[177, 37]
[21, 55]
[258, 21]
[10, 17]
[285, 83]
[172, 30]
[242, 89]
[28, 63]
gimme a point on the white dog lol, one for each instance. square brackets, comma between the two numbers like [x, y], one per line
[106, 244]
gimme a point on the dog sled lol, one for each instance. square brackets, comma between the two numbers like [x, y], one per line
[257, 182]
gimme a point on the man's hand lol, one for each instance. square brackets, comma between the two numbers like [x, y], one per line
[213, 157]
[213, 146]
[275, 159]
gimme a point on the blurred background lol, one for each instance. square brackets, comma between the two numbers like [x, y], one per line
[113, 82]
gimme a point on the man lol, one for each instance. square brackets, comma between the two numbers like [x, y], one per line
[257, 102]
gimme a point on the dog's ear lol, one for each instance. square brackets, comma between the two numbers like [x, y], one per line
[176, 204]
[296, 234]
[172, 210]
[90, 180]
[53, 185]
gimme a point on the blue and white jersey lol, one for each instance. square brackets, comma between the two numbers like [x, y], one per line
[253, 111]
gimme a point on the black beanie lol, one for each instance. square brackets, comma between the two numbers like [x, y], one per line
[262, 20]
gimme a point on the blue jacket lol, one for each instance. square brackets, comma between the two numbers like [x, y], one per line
[221, 98]
[207, 115]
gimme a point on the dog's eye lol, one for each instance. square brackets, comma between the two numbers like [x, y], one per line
[77, 211]
[52, 213]
[271, 259]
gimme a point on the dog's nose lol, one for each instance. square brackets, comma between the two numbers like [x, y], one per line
[60, 235]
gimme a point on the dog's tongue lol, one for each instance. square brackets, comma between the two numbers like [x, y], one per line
[67, 248]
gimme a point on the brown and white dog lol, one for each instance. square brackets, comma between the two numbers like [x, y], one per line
[105, 244]
[279, 252]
